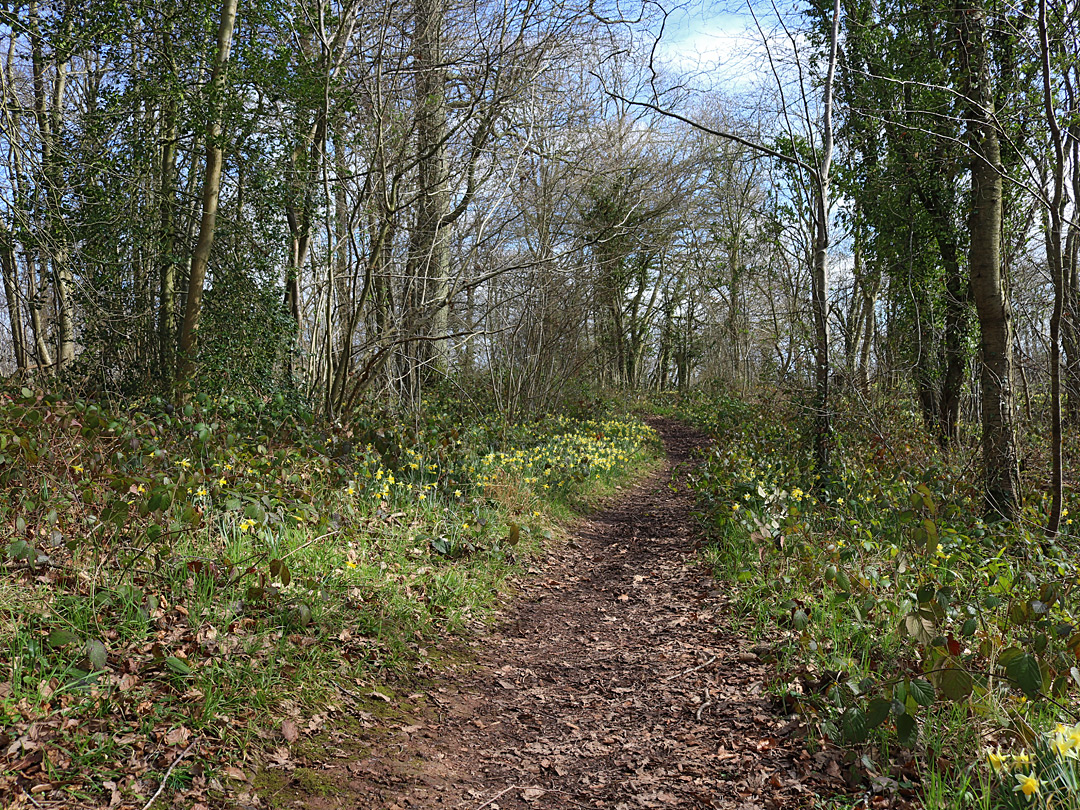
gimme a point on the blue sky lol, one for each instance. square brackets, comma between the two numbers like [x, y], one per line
[720, 43]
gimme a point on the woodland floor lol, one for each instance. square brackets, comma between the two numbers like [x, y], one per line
[612, 680]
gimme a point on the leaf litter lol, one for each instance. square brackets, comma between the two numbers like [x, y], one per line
[613, 680]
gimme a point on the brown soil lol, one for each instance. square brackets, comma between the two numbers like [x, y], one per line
[613, 681]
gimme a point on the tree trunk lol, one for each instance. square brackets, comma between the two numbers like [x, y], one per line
[430, 254]
[36, 297]
[167, 237]
[1070, 324]
[820, 270]
[211, 187]
[11, 293]
[1001, 471]
[47, 112]
[1053, 233]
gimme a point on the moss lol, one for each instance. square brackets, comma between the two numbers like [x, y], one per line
[313, 783]
[269, 786]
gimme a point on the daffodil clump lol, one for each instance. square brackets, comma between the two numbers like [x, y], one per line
[558, 452]
[567, 451]
[1047, 777]
[881, 568]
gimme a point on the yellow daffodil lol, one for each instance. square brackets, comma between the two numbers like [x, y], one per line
[1026, 784]
[998, 761]
[201, 492]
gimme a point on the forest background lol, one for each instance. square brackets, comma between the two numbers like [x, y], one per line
[352, 246]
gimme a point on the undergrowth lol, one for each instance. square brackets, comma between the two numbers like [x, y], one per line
[172, 578]
[939, 648]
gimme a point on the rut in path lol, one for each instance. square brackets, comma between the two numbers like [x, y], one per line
[611, 683]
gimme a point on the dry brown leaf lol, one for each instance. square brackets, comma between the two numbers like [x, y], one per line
[176, 736]
[290, 731]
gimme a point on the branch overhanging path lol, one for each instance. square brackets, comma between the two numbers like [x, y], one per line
[614, 680]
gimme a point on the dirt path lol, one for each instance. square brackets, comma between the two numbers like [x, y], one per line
[612, 683]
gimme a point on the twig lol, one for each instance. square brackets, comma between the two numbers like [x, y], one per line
[168, 773]
[692, 669]
[489, 801]
[564, 793]
[705, 705]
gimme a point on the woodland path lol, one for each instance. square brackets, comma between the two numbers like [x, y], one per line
[612, 681]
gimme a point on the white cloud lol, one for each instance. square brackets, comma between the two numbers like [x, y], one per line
[722, 49]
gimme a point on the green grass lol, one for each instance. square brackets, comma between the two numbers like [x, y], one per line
[901, 620]
[178, 578]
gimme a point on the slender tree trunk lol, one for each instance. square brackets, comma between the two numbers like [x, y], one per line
[956, 331]
[211, 187]
[167, 237]
[430, 254]
[820, 270]
[1001, 470]
[1070, 326]
[11, 293]
[1053, 235]
[48, 111]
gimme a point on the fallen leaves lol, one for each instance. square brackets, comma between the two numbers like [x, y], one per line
[613, 683]
[290, 731]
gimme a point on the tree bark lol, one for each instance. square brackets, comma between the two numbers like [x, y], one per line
[430, 254]
[1001, 471]
[211, 189]
[47, 112]
[167, 237]
[11, 293]
[1053, 233]
[820, 269]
